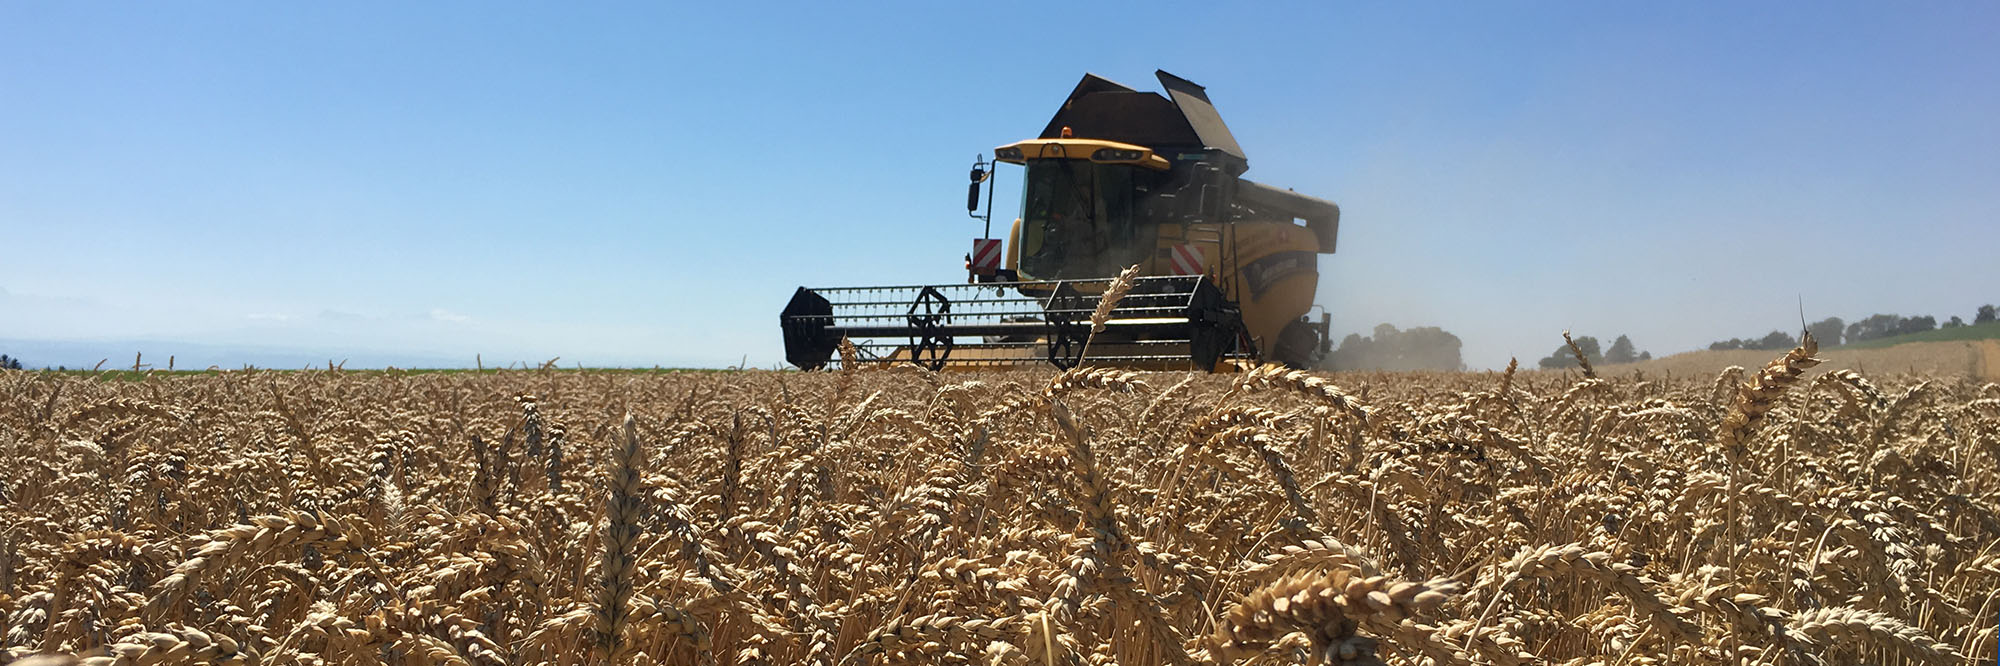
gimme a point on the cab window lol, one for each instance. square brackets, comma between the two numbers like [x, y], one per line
[1077, 220]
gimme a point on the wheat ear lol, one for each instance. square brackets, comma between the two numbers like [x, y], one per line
[621, 530]
[1588, 372]
[1113, 293]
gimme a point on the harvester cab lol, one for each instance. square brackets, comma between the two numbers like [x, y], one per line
[1117, 178]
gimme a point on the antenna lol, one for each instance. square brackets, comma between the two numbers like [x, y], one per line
[1802, 318]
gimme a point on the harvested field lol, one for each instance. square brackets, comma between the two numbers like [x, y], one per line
[1095, 517]
[1976, 359]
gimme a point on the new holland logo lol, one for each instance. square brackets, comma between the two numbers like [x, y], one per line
[1264, 272]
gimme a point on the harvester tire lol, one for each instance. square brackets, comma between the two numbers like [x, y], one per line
[1298, 346]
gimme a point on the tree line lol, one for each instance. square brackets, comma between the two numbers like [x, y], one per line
[1433, 348]
[1622, 351]
[1420, 348]
[1833, 331]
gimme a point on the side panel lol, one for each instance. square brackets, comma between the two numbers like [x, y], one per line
[1276, 271]
[1270, 269]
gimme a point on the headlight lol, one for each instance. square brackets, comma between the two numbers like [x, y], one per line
[1007, 154]
[1115, 155]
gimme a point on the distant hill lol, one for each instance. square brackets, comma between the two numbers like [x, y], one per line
[1971, 351]
[84, 354]
[1986, 331]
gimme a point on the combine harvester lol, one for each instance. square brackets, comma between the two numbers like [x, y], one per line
[1118, 178]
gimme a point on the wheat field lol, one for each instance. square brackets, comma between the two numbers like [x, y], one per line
[1781, 515]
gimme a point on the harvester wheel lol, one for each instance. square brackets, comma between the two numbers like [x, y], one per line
[929, 344]
[1069, 331]
[1298, 346]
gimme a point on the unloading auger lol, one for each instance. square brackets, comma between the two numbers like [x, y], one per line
[1118, 178]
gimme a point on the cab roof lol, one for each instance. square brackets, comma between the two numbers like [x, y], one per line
[1100, 108]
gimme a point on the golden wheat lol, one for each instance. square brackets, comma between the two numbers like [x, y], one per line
[1093, 516]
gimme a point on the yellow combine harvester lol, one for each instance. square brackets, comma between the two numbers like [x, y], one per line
[1118, 178]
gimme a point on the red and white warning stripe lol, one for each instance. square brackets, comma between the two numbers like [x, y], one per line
[1186, 260]
[985, 255]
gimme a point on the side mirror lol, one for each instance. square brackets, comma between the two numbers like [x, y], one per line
[1211, 203]
[1210, 198]
[972, 190]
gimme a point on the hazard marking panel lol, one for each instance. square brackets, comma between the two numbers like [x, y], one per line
[1186, 260]
[985, 253]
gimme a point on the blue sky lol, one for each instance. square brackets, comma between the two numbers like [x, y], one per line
[632, 184]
